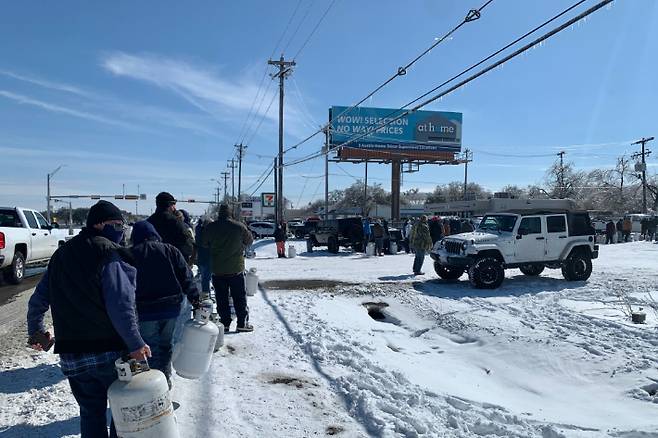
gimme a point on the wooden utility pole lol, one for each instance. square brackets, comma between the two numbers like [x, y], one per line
[560, 175]
[225, 175]
[241, 149]
[232, 166]
[285, 69]
[643, 167]
[468, 156]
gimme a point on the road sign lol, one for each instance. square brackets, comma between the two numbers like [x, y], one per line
[95, 196]
[268, 199]
[131, 197]
[142, 196]
[247, 205]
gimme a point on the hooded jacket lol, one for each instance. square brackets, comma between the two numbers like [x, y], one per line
[226, 239]
[173, 231]
[162, 275]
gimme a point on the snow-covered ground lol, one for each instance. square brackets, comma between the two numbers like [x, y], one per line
[539, 357]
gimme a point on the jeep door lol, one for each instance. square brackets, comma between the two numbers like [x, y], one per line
[530, 240]
[556, 236]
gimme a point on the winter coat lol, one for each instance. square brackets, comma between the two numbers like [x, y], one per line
[367, 231]
[420, 237]
[173, 231]
[620, 225]
[202, 254]
[407, 230]
[436, 230]
[226, 239]
[279, 234]
[446, 229]
[610, 228]
[162, 275]
[377, 231]
[628, 226]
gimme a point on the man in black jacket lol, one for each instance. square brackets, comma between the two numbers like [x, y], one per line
[90, 292]
[170, 229]
[163, 277]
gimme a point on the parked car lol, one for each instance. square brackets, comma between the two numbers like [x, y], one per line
[26, 239]
[528, 240]
[301, 230]
[262, 229]
[334, 233]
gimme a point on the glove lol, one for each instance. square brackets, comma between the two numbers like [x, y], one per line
[195, 304]
[41, 341]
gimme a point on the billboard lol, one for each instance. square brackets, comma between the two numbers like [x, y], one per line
[420, 132]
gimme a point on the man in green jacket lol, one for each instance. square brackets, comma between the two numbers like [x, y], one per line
[227, 240]
[421, 241]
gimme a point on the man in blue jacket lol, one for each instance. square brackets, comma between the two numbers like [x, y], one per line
[163, 277]
[91, 295]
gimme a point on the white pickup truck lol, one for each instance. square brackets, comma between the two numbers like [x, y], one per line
[26, 239]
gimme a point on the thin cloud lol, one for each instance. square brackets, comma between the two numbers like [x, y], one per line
[25, 100]
[47, 84]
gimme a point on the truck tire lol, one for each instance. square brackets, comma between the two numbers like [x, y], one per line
[15, 273]
[578, 267]
[332, 245]
[448, 272]
[486, 273]
[532, 270]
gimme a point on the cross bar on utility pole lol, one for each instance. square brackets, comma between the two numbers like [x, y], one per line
[643, 153]
[285, 70]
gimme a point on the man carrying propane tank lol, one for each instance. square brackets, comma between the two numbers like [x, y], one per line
[90, 291]
[163, 278]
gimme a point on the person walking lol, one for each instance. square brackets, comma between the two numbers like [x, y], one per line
[609, 232]
[378, 235]
[627, 227]
[422, 242]
[367, 233]
[620, 230]
[163, 278]
[169, 227]
[280, 240]
[90, 292]
[203, 257]
[227, 240]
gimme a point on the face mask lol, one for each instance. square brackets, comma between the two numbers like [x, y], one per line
[113, 232]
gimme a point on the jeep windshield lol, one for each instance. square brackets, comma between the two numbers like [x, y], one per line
[498, 222]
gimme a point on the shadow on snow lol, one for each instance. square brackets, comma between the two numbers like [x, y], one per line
[21, 380]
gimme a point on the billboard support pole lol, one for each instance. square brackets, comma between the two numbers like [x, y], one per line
[395, 189]
[365, 191]
[326, 180]
[276, 204]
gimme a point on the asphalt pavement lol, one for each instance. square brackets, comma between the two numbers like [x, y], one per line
[9, 291]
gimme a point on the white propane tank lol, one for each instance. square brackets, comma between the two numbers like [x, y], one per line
[292, 252]
[140, 402]
[370, 249]
[215, 318]
[393, 247]
[193, 354]
[252, 282]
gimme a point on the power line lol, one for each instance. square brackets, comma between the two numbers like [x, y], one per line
[470, 78]
[472, 15]
[315, 29]
[299, 25]
[262, 182]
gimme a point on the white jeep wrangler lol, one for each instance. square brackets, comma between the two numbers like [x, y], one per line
[528, 240]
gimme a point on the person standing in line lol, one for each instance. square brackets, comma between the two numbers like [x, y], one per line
[652, 227]
[378, 235]
[169, 227]
[367, 233]
[422, 242]
[163, 277]
[620, 230]
[203, 257]
[446, 227]
[406, 231]
[609, 232]
[627, 227]
[90, 292]
[280, 240]
[227, 241]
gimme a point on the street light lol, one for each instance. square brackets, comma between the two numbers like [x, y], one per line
[50, 175]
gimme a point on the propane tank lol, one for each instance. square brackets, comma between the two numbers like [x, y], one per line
[140, 402]
[370, 249]
[393, 247]
[252, 282]
[193, 354]
[214, 317]
[292, 252]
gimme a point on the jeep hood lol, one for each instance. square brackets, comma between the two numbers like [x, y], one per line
[477, 236]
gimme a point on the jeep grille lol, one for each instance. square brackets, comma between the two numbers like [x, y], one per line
[453, 247]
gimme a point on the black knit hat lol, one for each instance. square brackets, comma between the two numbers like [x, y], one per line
[103, 211]
[224, 211]
[164, 200]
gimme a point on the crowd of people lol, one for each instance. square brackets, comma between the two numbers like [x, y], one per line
[620, 231]
[108, 300]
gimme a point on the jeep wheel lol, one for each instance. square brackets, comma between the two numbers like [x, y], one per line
[332, 245]
[578, 267]
[532, 270]
[448, 272]
[486, 273]
[16, 272]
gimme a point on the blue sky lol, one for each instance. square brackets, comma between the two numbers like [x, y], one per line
[156, 93]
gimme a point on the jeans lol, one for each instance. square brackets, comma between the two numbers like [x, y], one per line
[206, 275]
[379, 245]
[159, 335]
[407, 249]
[90, 391]
[608, 238]
[419, 259]
[235, 286]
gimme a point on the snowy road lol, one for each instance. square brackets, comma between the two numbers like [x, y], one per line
[540, 357]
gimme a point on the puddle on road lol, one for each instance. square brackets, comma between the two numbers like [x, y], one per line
[303, 284]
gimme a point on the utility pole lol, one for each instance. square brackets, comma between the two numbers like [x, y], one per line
[285, 69]
[326, 174]
[468, 156]
[225, 175]
[241, 149]
[137, 202]
[643, 154]
[560, 176]
[365, 191]
[232, 166]
[276, 188]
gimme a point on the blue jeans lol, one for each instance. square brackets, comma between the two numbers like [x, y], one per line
[159, 335]
[90, 391]
[205, 272]
[419, 259]
[235, 286]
